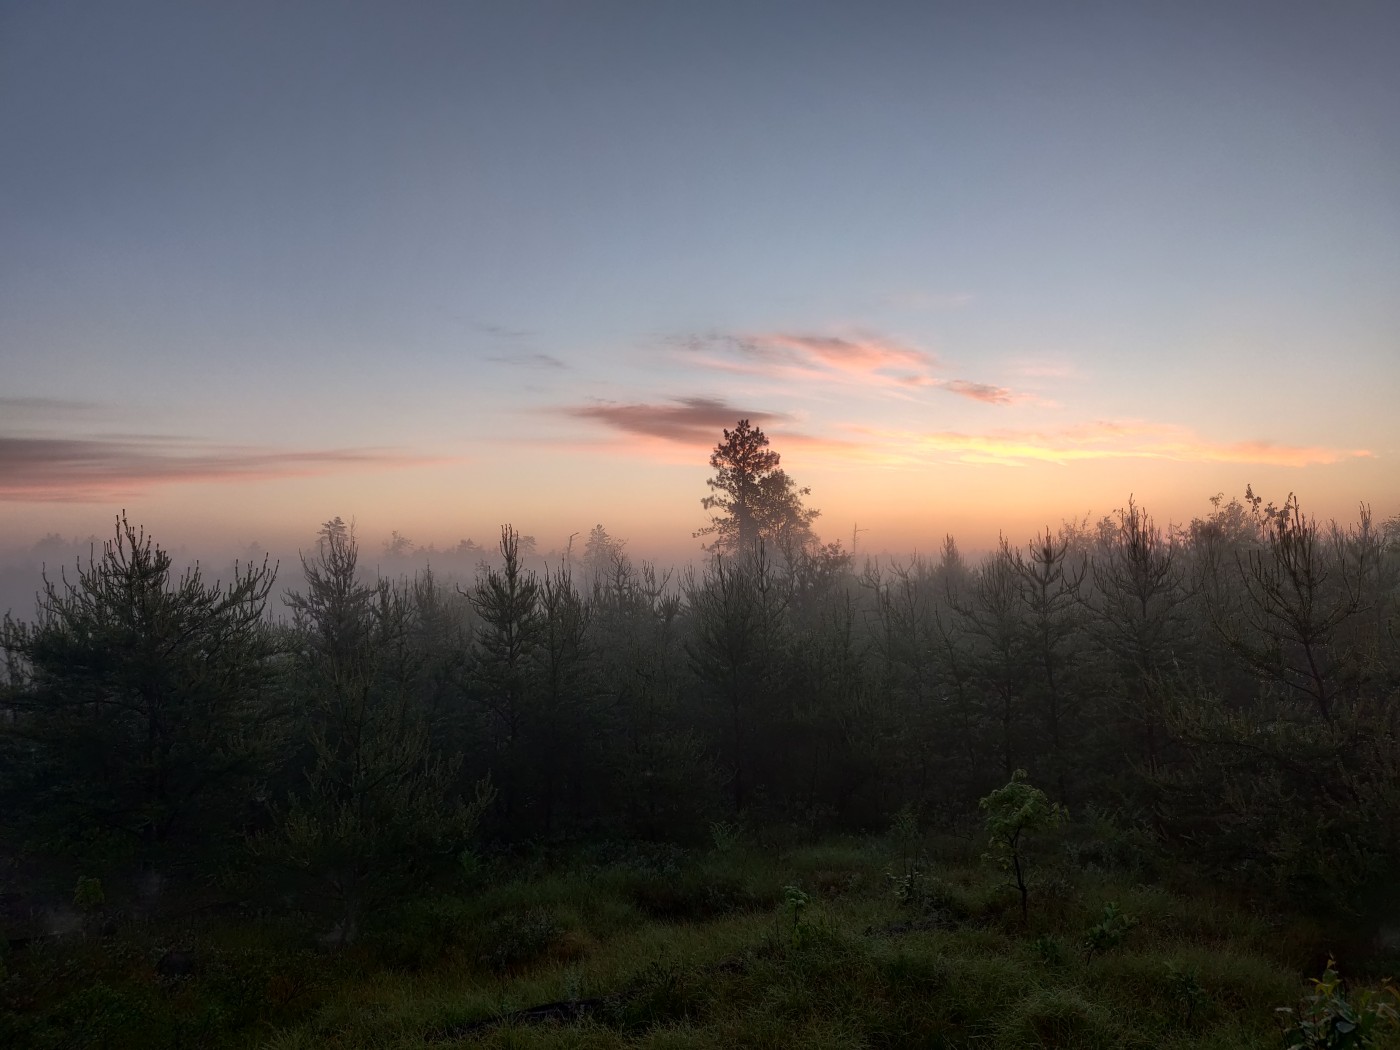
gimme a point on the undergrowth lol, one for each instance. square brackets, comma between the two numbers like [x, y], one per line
[843, 944]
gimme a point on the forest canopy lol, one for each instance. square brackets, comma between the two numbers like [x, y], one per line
[1226, 695]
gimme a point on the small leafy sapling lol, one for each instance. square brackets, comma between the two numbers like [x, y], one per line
[910, 881]
[1327, 1019]
[1108, 932]
[1051, 952]
[725, 837]
[1187, 990]
[795, 901]
[1014, 812]
[88, 896]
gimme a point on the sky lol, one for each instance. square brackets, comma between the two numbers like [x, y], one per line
[433, 267]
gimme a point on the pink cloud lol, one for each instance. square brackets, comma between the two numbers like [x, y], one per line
[77, 469]
[860, 356]
[690, 420]
[864, 360]
[984, 392]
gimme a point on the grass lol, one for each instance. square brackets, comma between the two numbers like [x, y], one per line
[675, 951]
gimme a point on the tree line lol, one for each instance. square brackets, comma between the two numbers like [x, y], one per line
[1229, 688]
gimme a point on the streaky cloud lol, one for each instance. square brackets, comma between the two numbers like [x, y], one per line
[984, 392]
[1104, 440]
[863, 355]
[533, 360]
[79, 469]
[500, 331]
[45, 405]
[689, 420]
[864, 360]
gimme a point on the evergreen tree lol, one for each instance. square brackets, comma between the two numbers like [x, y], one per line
[753, 501]
[379, 810]
[145, 707]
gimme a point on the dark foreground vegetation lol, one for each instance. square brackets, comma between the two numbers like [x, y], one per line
[775, 802]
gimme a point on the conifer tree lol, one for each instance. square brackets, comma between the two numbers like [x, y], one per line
[146, 705]
[753, 501]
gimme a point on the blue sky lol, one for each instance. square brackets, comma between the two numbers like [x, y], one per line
[437, 266]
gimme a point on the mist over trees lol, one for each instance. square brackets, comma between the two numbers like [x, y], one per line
[1230, 688]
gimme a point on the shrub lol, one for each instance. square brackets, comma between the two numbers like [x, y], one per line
[1186, 989]
[1327, 1020]
[516, 940]
[1013, 811]
[1108, 932]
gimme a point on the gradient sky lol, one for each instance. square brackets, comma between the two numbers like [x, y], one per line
[435, 267]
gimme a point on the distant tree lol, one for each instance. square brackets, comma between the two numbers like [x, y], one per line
[953, 570]
[601, 553]
[991, 617]
[398, 545]
[902, 623]
[146, 705]
[1138, 612]
[1298, 778]
[504, 675]
[1050, 584]
[737, 653]
[1299, 598]
[752, 500]
[560, 723]
[379, 805]
[663, 777]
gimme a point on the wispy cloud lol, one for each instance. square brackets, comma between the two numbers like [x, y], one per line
[69, 469]
[868, 361]
[689, 420]
[871, 361]
[44, 406]
[1043, 368]
[984, 392]
[657, 428]
[1099, 441]
[863, 355]
[531, 360]
[502, 332]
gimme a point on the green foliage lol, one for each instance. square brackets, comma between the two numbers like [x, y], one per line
[112, 1017]
[434, 968]
[142, 708]
[695, 895]
[795, 902]
[1050, 950]
[88, 895]
[517, 939]
[737, 655]
[1113, 926]
[1014, 812]
[380, 810]
[911, 882]
[1186, 990]
[1326, 1019]
[1285, 764]
[725, 836]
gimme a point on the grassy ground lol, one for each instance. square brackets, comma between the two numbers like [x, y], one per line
[818, 947]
